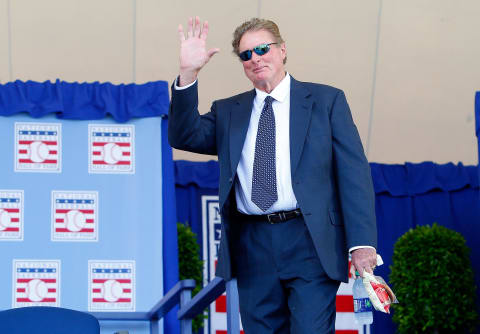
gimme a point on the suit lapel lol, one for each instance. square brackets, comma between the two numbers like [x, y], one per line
[300, 114]
[239, 121]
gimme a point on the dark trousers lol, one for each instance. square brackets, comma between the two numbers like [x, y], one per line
[281, 283]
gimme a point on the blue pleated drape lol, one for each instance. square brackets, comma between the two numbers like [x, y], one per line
[192, 181]
[87, 101]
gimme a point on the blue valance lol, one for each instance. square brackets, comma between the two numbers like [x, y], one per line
[420, 178]
[84, 101]
[200, 174]
[397, 180]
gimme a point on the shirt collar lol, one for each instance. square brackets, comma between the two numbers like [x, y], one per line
[279, 93]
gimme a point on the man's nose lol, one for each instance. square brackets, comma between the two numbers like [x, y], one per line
[255, 57]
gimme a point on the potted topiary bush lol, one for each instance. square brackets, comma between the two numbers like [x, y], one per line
[433, 280]
[190, 265]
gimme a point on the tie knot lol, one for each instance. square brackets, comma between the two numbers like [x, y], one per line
[269, 100]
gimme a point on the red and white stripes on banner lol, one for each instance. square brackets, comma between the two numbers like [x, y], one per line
[11, 214]
[112, 290]
[9, 219]
[36, 290]
[36, 283]
[111, 148]
[111, 285]
[86, 216]
[37, 151]
[74, 215]
[38, 147]
[111, 153]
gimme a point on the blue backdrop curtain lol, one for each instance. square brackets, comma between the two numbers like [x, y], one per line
[192, 181]
[93, 101]
[406, 196]
[477, 125]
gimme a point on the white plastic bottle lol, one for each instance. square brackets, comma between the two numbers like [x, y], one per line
[361, 303]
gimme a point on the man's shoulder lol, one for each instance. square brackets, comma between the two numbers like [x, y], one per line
[318, 89]
[238, 98]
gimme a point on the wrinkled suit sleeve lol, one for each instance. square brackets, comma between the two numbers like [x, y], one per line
[187, 129]
[353, 177]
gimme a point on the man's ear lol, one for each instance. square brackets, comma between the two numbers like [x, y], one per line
[283, 48]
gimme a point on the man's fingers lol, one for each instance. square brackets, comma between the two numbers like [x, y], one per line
[190, 27]
[361, 270]
[361, 267]
[352, 271]
[204, 32]
[364, 259]
[197, 26]
[369, 270]
[180, 33]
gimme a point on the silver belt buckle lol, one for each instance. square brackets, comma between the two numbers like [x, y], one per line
[269, 216]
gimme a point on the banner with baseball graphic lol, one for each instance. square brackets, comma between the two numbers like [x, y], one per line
[82, 192]
[11, 215]
[111, 149]
[74, 215]
[111, 285]
[38, 147]
[36, 283]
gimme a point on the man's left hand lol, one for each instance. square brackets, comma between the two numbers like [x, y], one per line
[364, 259]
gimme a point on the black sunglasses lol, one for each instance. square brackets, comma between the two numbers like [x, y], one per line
[259, 50]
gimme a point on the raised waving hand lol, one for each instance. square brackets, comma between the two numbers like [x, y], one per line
[193, 50]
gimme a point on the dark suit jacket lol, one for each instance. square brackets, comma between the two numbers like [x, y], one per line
[330, 175]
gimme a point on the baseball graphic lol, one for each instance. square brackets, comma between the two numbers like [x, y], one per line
[74, 220]
[38, 151]
[112, 153]
[112, 290]
[4, 219]
[36, 290]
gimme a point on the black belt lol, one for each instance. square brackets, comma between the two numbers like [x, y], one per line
[273, 218]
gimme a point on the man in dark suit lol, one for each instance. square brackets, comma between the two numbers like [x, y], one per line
[295, 187]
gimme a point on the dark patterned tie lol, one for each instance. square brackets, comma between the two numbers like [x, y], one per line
[264, 181]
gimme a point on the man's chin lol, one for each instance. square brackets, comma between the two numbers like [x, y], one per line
[262, 73]
[260, 78]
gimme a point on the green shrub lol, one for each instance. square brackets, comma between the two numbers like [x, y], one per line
[433, 280]
[190, 265]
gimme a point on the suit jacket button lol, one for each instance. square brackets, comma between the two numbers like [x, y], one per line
[230, 180]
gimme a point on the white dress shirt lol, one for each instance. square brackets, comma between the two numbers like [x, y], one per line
[243, 188]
